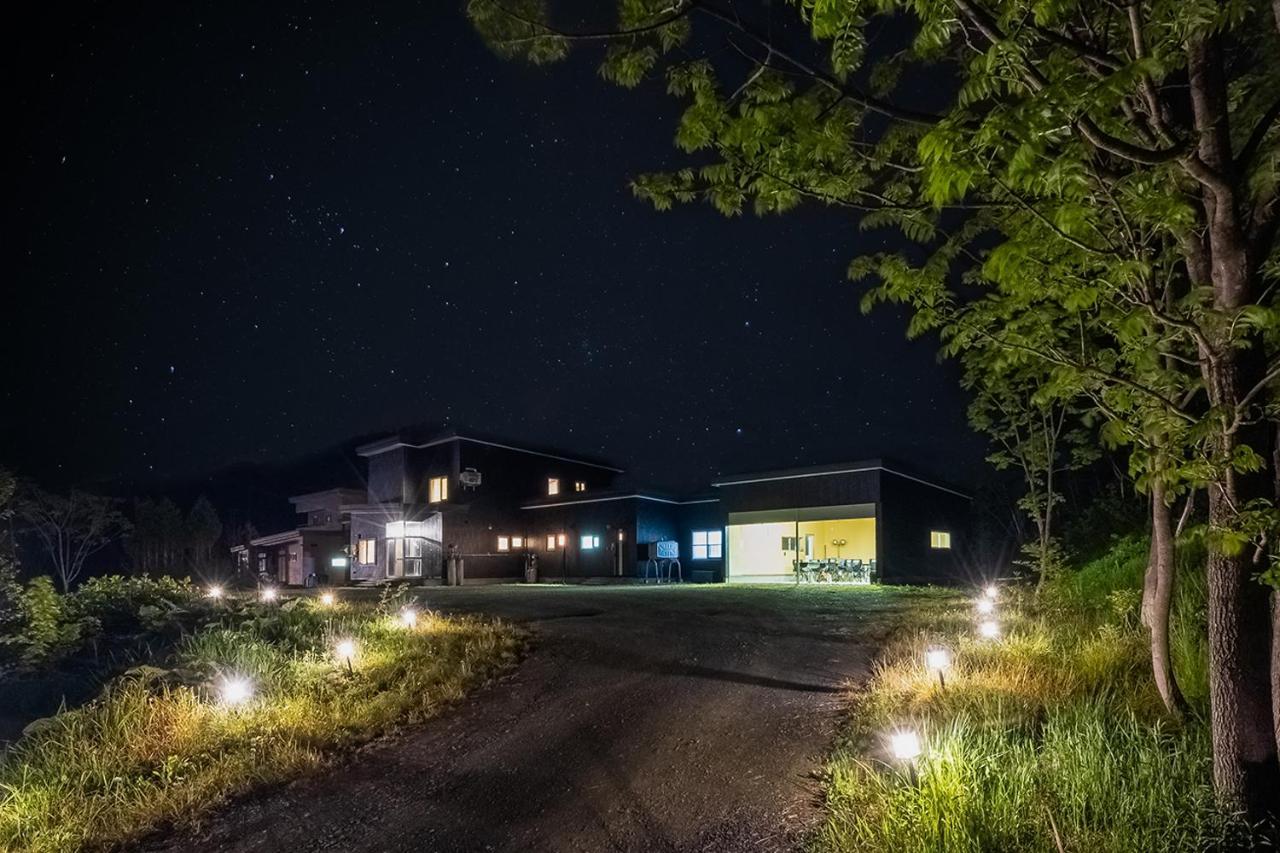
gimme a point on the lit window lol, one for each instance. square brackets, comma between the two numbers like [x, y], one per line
[579, 486]
[504, 544]
[517, 541]
[560, 540]
[367, 551]
[590, 542]
[553, 486]
[939, 539]
[708, 544]
[551, 542]
[439, 489]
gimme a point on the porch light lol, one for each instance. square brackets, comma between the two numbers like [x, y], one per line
[235, 691]
[905, 745]
[214, 592]
[269, 594]
[989, 629]
[986, 606]
[409, 617]
[327, 599]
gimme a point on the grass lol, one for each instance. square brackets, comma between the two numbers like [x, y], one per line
[159, 748]
[1050, 738]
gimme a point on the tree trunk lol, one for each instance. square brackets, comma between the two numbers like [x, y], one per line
[1245, 770]
[1159, 586]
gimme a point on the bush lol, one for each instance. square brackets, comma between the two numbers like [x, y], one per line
[130, 605]
[46, 630]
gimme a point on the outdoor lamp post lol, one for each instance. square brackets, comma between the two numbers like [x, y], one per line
[990, 629]
[269, 594]
[345, 651]
[991, 592]
[906, 748]
[234, 690]
[938, 659]
[214, 592]
[327, 599]
[409, 617]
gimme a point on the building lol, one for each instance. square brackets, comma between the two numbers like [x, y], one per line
[499, 506]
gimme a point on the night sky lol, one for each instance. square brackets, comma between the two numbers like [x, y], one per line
[249, 232]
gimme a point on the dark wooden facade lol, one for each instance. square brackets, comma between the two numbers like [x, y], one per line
[498, 511]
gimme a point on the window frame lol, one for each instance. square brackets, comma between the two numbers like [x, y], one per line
[553, 486]
[712, 546]
[504, 544]
[589, 542]
[940, 540]
[438, 489]
[371, 543]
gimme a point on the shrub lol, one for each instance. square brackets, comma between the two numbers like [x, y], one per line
[47, 630]
[129, 605]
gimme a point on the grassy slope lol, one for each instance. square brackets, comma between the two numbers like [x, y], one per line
[1050, 738]
[149, 754]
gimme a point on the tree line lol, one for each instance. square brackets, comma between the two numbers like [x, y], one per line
[69, 529]
[1089, 196]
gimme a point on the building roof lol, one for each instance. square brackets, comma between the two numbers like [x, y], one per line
[864, 465]
[344, 495]
[276, 538]
[415, 440]
[574, 498]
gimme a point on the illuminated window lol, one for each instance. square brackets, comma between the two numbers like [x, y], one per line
[590, 542]
[551, 542]
[708, 544]
[504, 544]
[939, 539]
[560, 540]
[367, 551]
[517, 541]
[553, 486]
[579, 486]
[439, 489]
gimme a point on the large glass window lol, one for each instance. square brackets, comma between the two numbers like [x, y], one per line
[807, 547]
[367, 551]
[707, 545]
[590, 542]
[553, 485]
[939, 539]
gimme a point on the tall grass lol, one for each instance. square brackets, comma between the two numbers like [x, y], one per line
[158, 748]
[1050, 738]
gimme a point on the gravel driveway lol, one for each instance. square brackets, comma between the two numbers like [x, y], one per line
[643, 719]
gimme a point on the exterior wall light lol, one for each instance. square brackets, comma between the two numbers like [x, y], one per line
[234, 691]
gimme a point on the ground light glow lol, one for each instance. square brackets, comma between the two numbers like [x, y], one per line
[905, 745]
[938, 659]
[991, 592]
[409, 617]
[986, 606]
[345, 651]
[268, 593]
[327, 599]
[235, 690]
[989, 629]
[214, 592]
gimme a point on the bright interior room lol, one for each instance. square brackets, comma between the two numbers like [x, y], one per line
[804, 545]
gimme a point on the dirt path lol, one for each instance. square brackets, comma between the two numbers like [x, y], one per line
[645, 719]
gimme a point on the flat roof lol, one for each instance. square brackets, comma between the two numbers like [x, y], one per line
[865, 465]
[392, 442]
[573, 498]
